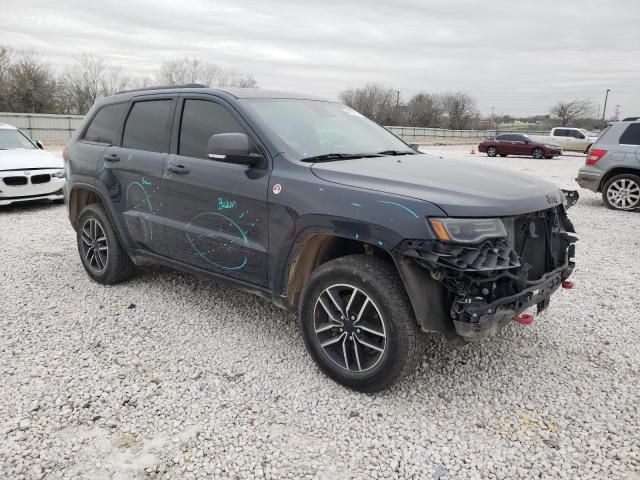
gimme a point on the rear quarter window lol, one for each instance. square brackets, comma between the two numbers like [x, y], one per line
[106, 124]
[631, 136]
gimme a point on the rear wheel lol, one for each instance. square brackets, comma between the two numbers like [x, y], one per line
[537, 153]
[586, 150]
[357, 323]
[492, 151]
[102, 256]
[622, 192]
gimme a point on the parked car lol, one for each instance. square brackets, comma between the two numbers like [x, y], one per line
[572, 139]
[613, 166]
[517, 144]
[27, 171]
[309, 204]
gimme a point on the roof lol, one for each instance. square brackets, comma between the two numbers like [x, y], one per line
[240, 93]
[6, 126]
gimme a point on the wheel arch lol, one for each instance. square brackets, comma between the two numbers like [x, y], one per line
[617, 171]
[79, 197]
[316, 248]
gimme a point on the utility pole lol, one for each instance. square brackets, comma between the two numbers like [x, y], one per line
[397, 98]
[617, 116]
[604, 109]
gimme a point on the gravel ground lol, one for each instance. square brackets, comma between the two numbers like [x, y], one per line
[173, 376]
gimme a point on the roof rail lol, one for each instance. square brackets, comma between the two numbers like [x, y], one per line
[162, 87]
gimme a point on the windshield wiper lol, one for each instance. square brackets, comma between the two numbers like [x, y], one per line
[328, 157]
[396, 152]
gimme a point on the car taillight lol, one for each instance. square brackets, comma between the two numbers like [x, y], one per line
[594, 155]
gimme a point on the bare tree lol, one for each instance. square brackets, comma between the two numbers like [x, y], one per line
[460, 108]
[5, 63]
[424, 110]
[32, 85]
[193, 70]
[568, 112]
[82, 83]
[374, 101]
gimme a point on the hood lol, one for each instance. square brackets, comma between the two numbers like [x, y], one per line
[19, 159]
[461, 188]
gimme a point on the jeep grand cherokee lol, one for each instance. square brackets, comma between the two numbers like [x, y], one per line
[307, 203]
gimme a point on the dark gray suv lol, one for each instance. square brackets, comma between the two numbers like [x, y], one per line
[309, 204]
[613, 166]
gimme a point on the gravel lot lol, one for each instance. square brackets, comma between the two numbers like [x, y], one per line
[173, 376]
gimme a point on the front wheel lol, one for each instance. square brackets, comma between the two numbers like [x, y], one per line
[492, 151]
[357, 323]
[622, 192]
[537, 153]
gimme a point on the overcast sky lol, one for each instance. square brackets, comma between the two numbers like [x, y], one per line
[519, 57]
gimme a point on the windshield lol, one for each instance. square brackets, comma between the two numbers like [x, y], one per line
[313, 128]
[10, 138]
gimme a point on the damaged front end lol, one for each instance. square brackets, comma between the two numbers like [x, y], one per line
[484, 285]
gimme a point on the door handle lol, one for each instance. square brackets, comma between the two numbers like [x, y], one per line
[179, 169]
[111, 158]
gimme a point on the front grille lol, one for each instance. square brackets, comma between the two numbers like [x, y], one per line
[15, 181]
[42, 178]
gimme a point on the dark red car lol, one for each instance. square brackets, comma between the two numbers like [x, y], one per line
[518, 144]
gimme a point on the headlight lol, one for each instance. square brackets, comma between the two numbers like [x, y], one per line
[467, 230]
[59, 174]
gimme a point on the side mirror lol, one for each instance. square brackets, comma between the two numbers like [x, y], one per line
[39, 145]
[232, 148]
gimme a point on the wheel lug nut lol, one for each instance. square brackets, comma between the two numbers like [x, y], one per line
[341, 329]
[358, 330]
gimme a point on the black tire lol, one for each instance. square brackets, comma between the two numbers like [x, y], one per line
[388, 310]
[503, 154]
[492, 151]
[622, 192]
[537, 153]
[586, 150]
[115, 266]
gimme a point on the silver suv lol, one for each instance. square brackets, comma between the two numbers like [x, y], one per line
[613, 166]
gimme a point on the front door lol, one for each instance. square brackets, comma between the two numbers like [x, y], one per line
[133, 172]
[216, 212]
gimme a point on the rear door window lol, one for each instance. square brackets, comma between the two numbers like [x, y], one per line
[200, 120]
[106, 124]
[147, 126]
[559, 132]
[631, 135]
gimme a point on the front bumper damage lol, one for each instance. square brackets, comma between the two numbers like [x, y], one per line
[484, 286]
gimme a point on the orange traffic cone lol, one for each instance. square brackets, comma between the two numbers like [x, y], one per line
[473, 151]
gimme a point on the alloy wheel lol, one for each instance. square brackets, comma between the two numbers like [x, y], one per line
[537, 153]
[94, 245]
[349, 328]
[624, 194]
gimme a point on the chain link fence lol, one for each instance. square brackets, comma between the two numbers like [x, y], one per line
[417, 134]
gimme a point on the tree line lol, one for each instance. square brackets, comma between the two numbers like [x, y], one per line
[31, 85]
[455, 110]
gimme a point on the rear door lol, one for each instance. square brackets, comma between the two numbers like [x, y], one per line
[559, 136]
[520, 146]
[133, 171]
[217, 216]
[503, 144]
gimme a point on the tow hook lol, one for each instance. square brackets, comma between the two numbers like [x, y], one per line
[568, 284]
[524, 319]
